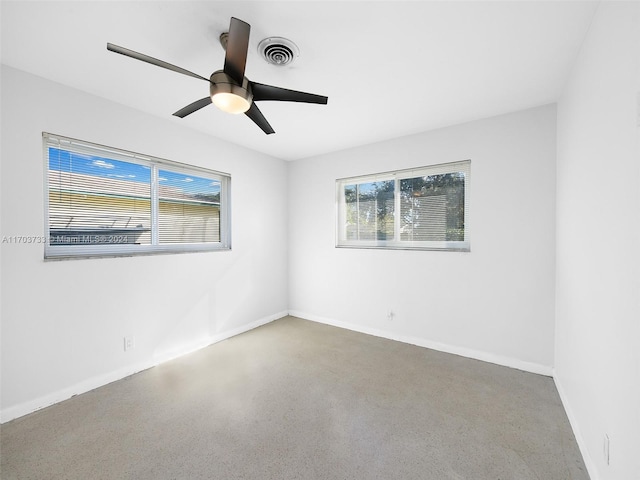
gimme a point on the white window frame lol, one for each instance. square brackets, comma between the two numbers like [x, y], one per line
[155, 164]
[396, 243]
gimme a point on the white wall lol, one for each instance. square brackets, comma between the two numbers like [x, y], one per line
[597, 367]
[494, 303]
[63, 322]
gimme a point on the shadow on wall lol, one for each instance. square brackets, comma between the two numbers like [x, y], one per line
[212, 307]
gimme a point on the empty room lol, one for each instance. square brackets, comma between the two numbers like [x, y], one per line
[320, 240]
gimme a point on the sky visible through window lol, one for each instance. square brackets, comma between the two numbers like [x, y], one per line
[108, 168]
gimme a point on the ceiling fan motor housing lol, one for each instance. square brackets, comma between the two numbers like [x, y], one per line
[225, 89]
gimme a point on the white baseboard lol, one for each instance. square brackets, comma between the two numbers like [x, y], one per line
[588, 460]
[441, 347]
[30, 406]
[92, 383]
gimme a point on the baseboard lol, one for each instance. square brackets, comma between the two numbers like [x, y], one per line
[588, 461]
[16, 411]
[441, 347]
[44, 401]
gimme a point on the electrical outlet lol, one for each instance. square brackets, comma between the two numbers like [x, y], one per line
[129, 343]
[605, 450]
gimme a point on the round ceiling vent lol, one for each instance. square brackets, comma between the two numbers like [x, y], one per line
[278, 51]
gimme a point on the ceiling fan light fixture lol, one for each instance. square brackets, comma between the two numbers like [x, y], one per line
[228, 96]
[230, 102]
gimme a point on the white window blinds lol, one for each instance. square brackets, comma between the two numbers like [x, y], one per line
[189, 208]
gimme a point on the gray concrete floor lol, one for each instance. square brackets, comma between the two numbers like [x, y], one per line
[300, 400]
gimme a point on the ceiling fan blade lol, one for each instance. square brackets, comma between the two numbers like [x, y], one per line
[255, 114]
[237, 45]
[269, 92]
[192, 107]
[153, 61]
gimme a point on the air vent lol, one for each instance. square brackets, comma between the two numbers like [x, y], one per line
[278, 51]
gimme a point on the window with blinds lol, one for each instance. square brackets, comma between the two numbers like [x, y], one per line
[422, 208]
[105, 201]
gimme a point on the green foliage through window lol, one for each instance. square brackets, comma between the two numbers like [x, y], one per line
[424, 208]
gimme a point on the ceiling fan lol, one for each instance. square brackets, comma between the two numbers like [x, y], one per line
[229, 89]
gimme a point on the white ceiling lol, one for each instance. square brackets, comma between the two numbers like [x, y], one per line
[389, 68]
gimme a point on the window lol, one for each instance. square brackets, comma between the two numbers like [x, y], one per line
[104, 201]
[422, 208]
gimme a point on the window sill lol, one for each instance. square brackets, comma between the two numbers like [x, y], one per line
[56, 253]
[439, 246]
